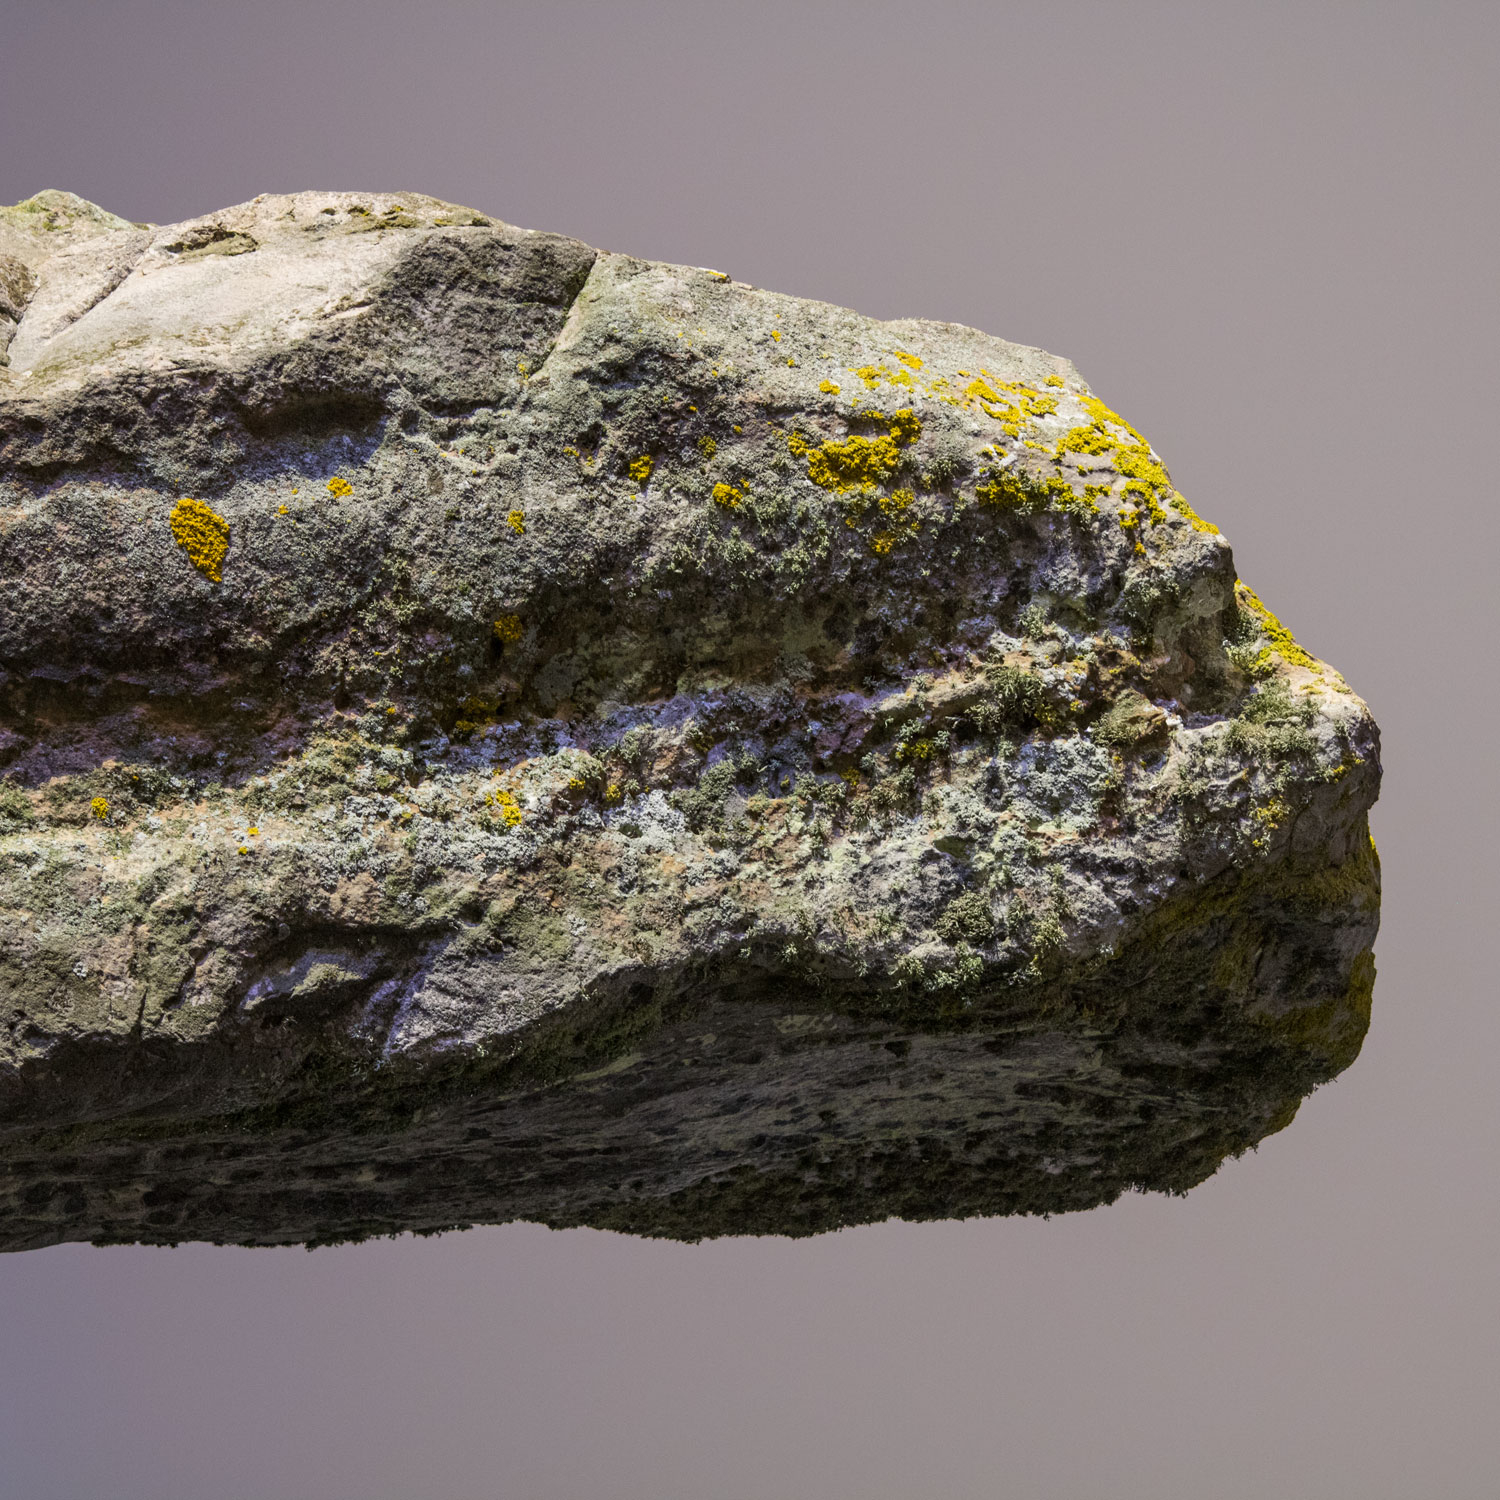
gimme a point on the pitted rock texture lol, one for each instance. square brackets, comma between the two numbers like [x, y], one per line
[496, 729]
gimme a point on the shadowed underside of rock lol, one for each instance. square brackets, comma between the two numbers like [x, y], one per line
[496, 729]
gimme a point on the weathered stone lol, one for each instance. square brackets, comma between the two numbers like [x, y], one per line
[495, 729]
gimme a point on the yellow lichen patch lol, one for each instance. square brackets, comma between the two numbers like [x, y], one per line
[707, 447]
[1267, 820]
[1053, 380]
[1029, 493]
[1281, 639]
[338, 487]
[508, 629]
[728, 496]
[516, 520]
[1179, 503]
[1007, 491]
[872, 375]
[882, 542]
[909, 360]
[828, 388]
[640, 469]
[776, 334]
[99, 808]
[905, 425]
[1146, 486]
[853, 463]
[203, 535]
[1012, 405]
[505, 803]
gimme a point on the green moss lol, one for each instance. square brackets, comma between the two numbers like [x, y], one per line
[15, 805]
[1015, 700]
[1130, 721]
[967, 918]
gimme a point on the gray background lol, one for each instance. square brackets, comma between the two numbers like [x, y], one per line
[1266, 234]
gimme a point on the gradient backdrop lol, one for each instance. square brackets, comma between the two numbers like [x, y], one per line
[1266, 233]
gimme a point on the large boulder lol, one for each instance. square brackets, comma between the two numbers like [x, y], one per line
[496, 729]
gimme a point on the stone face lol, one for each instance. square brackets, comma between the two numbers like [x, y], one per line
[496, 729]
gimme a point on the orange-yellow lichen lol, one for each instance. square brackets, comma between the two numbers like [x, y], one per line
[1147, 484]
[338, 487]
[910, 360]
[508, 629]
[1018, 404]
[640, 469]
[828, 388]
[99, 807]
[505, 802]
[707, 447]
[203, 535]
[1281, 639]
[1178, 502]
[855, 463]
[516, 520]
[1007, 491]
[1029, 493]
[728, 496]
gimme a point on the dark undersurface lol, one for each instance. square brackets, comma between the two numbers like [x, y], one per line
[735, 1101]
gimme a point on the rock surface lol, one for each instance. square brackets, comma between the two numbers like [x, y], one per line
[496, 729]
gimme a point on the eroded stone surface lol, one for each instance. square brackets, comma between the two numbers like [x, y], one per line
[493, 728]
